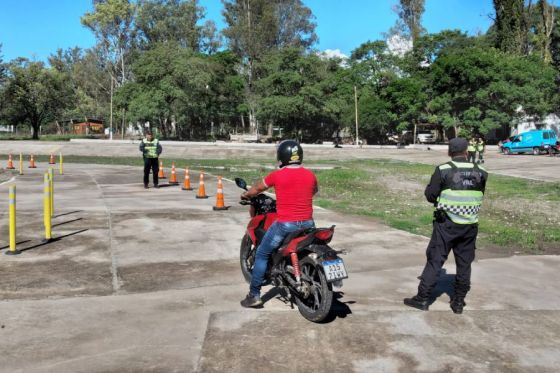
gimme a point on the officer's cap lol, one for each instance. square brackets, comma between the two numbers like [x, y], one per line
[458, 145]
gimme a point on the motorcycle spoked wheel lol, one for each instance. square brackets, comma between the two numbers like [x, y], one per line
[317, 305]
[247, 257]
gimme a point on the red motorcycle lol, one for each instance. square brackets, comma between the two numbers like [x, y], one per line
[304, 266]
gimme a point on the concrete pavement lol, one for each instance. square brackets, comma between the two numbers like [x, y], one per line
[149, 281]
[521, 165]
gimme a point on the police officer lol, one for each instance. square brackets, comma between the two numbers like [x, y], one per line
[151, 149]
[480, 149]
[457, 190]
[472, 150]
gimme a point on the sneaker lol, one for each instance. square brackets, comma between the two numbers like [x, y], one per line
[156, 186]
[417, 302]
[252, 301]
[146, 186]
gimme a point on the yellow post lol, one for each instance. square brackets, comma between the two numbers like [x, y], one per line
[51, 191]
[13, 250]
[61, 168]
[20, 164]
[47, 207]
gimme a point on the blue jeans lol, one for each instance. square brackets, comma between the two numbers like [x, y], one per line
[271, 241]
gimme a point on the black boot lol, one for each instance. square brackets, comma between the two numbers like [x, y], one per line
[417, 302]
[457, 305]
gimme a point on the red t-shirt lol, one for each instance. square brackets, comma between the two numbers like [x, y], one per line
[294, 187]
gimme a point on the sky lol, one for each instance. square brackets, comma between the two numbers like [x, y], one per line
[37, 28]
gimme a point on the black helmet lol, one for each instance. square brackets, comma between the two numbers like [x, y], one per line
[289, 152]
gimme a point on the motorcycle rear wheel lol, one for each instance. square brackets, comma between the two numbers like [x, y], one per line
[247, 257]
[317, 306]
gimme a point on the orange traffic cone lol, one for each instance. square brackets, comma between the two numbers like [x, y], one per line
[10, 163]
[51, 160]
[161, 174]
[187, 181]
[201, 190]
[32, 162]
[173, 177]
[220, 197]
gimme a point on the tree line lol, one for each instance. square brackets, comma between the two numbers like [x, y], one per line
[161, 62]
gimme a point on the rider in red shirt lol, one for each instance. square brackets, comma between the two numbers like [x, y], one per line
[294, 186]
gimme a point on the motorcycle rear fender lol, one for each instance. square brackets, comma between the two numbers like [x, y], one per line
[323, 235]
[323, 252]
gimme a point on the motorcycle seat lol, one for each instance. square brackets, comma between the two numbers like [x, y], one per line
[295, 234]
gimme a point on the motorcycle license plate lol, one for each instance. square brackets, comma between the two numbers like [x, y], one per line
[334, 270]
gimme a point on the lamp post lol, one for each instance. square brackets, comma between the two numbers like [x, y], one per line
[111, 115]
[356, 107]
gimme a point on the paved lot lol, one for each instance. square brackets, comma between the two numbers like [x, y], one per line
[521, 165]
[148, 281]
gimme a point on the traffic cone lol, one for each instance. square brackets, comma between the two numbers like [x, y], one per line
[187, 181]
[220, 206]
[10, 163]
[161, 174]
[201, 190]
[51, 160]
[32, 162]
[173, 177]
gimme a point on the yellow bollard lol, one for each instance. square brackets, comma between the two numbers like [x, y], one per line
[60, 167]
[13, 250]
[47, 207]
[20, 164]
[51, 191]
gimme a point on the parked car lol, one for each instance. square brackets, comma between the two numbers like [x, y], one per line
[425, 137]
[535, 142]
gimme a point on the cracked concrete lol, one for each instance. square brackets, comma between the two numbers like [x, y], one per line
[157, 287]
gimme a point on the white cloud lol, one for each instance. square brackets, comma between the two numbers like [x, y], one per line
[333, 53]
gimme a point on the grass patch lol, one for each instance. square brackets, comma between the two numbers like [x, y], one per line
[518, 214]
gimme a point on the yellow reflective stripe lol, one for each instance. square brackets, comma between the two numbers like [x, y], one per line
[463, 164]
[458, 219]
[444, 167]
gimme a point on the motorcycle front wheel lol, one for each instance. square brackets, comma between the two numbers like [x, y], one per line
[317, 305]
[247, 257]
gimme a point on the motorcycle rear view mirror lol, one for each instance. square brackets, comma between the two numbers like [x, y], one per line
[241, 183]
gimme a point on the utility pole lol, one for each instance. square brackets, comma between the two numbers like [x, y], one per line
[111, 116]
[356, 106]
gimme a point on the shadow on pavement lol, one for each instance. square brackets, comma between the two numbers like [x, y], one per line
[66, 222]
[67, 213]
[444, 285]
[55, 239]
[17, 243]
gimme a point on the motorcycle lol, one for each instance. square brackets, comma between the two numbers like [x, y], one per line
[304, 266]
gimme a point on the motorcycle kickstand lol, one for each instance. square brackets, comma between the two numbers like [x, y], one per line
[289, 297]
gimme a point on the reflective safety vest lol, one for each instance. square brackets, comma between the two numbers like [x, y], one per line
[462, 194]
[472, 146]
[150, 148]
[480, 146]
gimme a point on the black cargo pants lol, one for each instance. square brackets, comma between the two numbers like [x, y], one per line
[151, 164]
[447, 236]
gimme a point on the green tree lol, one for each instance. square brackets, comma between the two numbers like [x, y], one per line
[34, 95]
[292, 93]
[160, 21]
[410, 14]
[255, 27]
[90, 83]
[112, 24]
[511, 27]
[478, 90]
